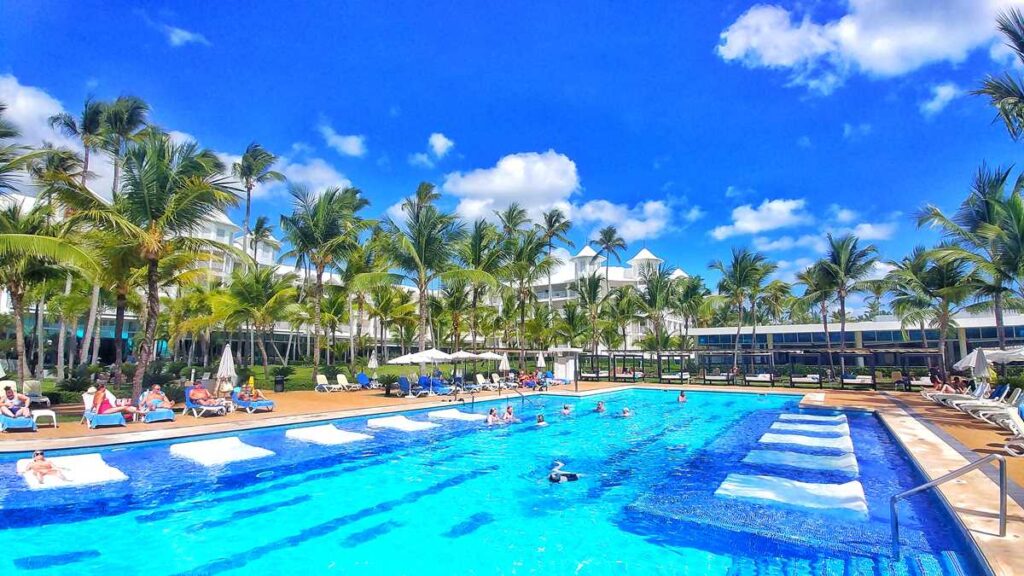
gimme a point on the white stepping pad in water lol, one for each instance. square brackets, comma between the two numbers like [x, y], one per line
[400, 423]
[327, 435]
[453, 414]
[80, 470]
[218, 451]
[843, 429]
[846, 463]
[846, 496]
[841, 443]
[836, 418]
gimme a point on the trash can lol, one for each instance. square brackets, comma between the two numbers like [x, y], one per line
[278, 383]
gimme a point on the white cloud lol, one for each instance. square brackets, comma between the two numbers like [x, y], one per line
[440, 144]
[314, 172]
[788, 269]
[783, 243]
[421, 159]
[841, 214]
[535, 180]
[854, 131]
[879, 269]
[644, 221]
[770, 215]
[694, 214]
[30, 108]
[395, 211]
[941, 96]
[737, 192]
[869, 231]
[344, 144]
[875, 37]
[804, 142]
[179, 137]
[178, 37]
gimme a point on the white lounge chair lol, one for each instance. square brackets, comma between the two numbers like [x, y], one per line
[976, 409]
[759, 379]
[323, 385]
[33, 389]
[485, 383]
[345, 384]
[1015, 447]
[806, 379]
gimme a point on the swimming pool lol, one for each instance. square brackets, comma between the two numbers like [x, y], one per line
[676, 489]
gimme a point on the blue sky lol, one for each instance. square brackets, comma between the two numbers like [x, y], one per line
[693, 126]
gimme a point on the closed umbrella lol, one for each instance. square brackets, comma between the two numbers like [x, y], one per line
[504, 365]
[540, 361]
[979, 368]
[226, 374]
[372, 364]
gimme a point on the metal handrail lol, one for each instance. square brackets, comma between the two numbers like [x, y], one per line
[942, 480]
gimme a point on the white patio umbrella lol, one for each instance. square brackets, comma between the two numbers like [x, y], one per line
[504, 365]
[463, 355]
[372, 364]
[540, 361]
[405, 360]
[489, 356]
[226, 374]
[979, 368]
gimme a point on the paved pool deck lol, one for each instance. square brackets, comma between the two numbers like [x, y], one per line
[939, 439]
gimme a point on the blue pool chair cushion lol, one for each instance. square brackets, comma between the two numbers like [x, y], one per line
[159, 415]
[363, 379]
[23, 423]
[95, 420]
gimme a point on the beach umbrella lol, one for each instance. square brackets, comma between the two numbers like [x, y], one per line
[372, 364]
[540, 361]
[979, 368]
[406, 359]
[226, 374]
[489, 356]
[463, 355]
[504, 365]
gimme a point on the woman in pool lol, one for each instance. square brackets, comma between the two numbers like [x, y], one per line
[492, 417]
[600, 406]
[682, 396]
[540, 421]
[509, 414]
[557, 475]
[565, 410]
[626, 412]
[101, 403]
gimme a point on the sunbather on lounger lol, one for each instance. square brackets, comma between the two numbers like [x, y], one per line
[14, 405]
[251, 394]
[156, 398]
[558, 476]
[201, 396]
[41, 467]
[101, 404]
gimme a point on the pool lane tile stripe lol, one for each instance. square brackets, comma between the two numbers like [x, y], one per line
[400, 423]
[846, 463]
[842, 443]
[371, 533]
[50, 561]
[218, 451]
[841, 429]
[836, 418]
[846, 496]
[326, 435]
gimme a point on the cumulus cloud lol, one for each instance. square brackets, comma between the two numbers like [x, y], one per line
[788, 269]
[879, 269]
[344, 144]
[841, 215]
[314, 173]
[693, 214]
[178, 37]
[880, 39]
[440, 144]
[640, 222]
[769, 215]
[877, 231]
[941, 96]
[855, 131]
[536, 180]
[815, 242]
[421, 159]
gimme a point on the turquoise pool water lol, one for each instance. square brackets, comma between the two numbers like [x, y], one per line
[464, 499]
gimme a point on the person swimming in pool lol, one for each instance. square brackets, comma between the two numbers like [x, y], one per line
[600, 406]
[509, 415]
[682, 396]
[540, 421]
[566, 410]
[626, 412]
[492, 417]
[558, 476]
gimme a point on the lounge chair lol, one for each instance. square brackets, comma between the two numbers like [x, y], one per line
[251, 406]
[201, 410]
[999, 416]
[155, 415]
[364, 381]
[485, 384]
[976, 409]
[407, 389]
[23, 423]
[759, 379]
[938, 397]
[95, 420]
[345, 385]
[1015, 447]
[854, 380]
[322, 385]
[806, 379]
[717, 378]
[439, 386]
[34, 390]
[994, 398]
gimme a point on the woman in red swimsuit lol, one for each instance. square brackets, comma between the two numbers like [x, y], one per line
[101, 403]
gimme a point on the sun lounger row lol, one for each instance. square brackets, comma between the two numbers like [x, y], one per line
[999, 406]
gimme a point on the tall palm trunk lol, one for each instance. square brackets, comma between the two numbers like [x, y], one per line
[90, 324]
[549, 281]
[423, 316]
[319, 290]
[997, 309]
[40, 340]
[828, 337]
[351, 330]
[842, 333]
[96, 340]
[119, 308]
[152, 311]
[19, 335]
[736, 344]
[72, 344]
[62, 332]
[359, 328]
[263, 352]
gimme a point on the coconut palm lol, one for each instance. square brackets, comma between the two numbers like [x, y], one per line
[323, 229]
[622, 310]
[571, 324]
[88, 128]
[818, 293]
[528, 262]
[122, 120]
[655, 300]
[740, 275]
[554, 226]
[691, 298]
[758, 292]
[13, 157]
[168, 191]
[876, 290]
[259, 297]
[390, 305]
[1006, 92]
[260, 233]
[481, 250]
[847, 264]
[609, 244]
[457, 305]
[513, 219]
[253, 169]
[591, 299]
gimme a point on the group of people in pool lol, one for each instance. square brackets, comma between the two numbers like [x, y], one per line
[509, 415]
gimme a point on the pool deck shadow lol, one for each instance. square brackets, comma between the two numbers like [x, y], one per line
[939, 440]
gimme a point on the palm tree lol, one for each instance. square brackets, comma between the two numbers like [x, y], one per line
[482, 251]
[13, 157]
[655, 299]
[1006, 92]
[758, 291]
[122, 120]
[456, 304]
[513, 219]
[168, 191]
[571, 325]
[261, 232]
[739, 277]
[877, 288]
[591, 302]
[554, 226]
[691, 299]
[323, 229]
[88, 128]
[622, 309]
[527, 263]
[390, 305]
[260, 297]
[978, 234]
[609, 244]
[847, 264]
[252, 169]
[818, 292]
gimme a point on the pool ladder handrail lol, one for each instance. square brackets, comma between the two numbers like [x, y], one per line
[942, 480]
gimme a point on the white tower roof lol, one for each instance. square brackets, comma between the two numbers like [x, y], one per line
[587, 252]
[644, 255]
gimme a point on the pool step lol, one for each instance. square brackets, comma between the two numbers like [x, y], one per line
[835, 419]
[846, 463]
[847, 496]
[842, 443]
[842, 429]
